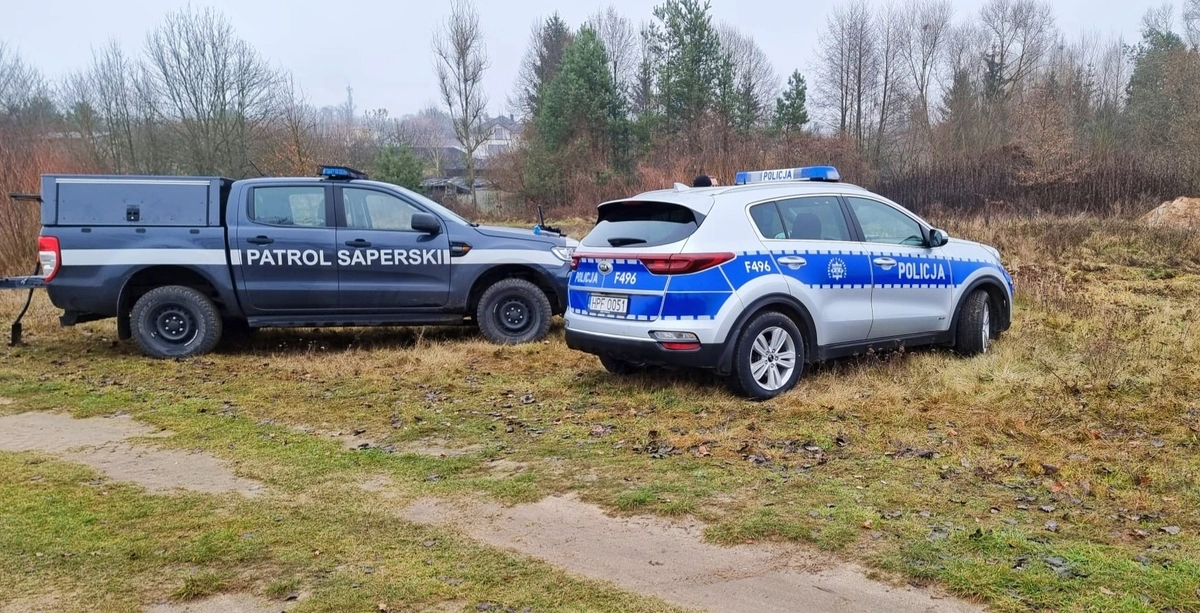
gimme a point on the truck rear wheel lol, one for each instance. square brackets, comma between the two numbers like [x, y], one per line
[175, 322]
[514, 311]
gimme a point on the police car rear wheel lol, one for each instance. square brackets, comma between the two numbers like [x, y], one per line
[974, 333]
[514, 311]
[175, 322]
[769, 357]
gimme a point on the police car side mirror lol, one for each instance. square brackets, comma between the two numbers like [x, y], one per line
[424, 222]
[937, 238]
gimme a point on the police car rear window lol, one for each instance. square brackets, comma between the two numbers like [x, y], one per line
[642, 224]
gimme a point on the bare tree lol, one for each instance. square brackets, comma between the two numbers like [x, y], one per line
[461, 59]
[890, 34]
[1160, 18]
[620, 41]
[850, 56]
[752, 68]
[1191, 22]
[212, 88]
[548, 41]
[1019, 34]
[21, 85]
[926, 28]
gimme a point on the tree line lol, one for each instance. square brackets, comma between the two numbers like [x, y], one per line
[992, 111]
[995, 110]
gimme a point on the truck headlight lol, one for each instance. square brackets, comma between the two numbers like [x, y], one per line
[563, 253]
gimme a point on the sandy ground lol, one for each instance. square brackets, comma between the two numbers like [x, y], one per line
[670, 560]
[99, 442]
[225, 603]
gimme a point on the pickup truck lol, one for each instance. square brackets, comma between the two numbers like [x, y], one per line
[179, 261]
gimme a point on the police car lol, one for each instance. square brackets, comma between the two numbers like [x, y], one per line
[785, 268]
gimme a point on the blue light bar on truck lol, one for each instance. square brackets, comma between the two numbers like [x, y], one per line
[807, 173]
[342, 173]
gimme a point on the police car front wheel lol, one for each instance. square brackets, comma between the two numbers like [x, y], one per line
[974, 332]
[768, 358]
[514, 311]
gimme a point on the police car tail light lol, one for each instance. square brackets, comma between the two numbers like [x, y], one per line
[676, 341]
[683, 263]
[50, 256]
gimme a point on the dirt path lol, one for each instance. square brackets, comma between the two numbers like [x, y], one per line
[670, 560]
[225, 603]
[99, 442]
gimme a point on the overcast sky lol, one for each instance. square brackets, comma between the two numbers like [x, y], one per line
[381, 48]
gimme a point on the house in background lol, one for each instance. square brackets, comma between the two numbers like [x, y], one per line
[503, 134]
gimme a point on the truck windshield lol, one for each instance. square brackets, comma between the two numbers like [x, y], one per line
[438, 209]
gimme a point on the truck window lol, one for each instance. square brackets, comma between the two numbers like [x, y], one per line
[289, 206]
[368, 209]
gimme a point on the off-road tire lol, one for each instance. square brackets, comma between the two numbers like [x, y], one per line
[743, 380]
[975, 326]
[175, 322]
[514, 311]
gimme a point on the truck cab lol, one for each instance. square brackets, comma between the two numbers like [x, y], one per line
[177, 260]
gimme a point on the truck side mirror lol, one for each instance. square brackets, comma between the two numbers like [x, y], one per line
[424, 222]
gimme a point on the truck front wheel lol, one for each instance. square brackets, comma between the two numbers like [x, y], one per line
[175, 322]
[513, 311]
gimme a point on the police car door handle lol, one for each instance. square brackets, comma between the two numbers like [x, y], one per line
[358, 242]
[885, 263]
[260, 240]
[793, 262]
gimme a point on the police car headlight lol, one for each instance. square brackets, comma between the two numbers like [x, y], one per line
[563, 253]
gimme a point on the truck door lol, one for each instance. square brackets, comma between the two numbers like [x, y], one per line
[912, 284]
[286, 248]
[384, 265]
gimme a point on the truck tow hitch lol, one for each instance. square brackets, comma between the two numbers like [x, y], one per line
[31, 283]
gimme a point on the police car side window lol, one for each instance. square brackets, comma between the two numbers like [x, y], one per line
[289, 206]
[368, 209]
[766, 217]
[814, 218]
[884, 224]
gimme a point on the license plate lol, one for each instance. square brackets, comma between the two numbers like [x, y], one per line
[608, 304]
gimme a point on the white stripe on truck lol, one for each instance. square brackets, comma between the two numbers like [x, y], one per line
[508, 256]
[142, 257]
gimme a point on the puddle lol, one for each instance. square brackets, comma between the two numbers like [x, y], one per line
[670, 560]
[99, 442]
[225, 603]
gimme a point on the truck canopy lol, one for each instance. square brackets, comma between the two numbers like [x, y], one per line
[98, 200]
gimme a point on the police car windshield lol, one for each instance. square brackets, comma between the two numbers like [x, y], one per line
[642, 224]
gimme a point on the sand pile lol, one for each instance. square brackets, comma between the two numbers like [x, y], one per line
[1180, 213]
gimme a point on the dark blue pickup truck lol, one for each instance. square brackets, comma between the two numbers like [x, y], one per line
[179, 260]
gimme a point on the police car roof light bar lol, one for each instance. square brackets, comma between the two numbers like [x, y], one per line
[805, 173]
[341, 173]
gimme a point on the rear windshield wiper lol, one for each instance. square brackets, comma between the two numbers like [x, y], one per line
[621, 242]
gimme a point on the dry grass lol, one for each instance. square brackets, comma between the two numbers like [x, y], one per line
[917, 462]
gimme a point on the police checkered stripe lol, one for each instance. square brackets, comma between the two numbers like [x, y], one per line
[688, 317]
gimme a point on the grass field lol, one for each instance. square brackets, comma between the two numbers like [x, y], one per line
[1056, 473]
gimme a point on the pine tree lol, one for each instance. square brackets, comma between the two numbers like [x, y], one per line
[791, 108]
[398, 165]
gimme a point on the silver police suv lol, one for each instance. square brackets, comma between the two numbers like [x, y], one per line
[786, 268]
